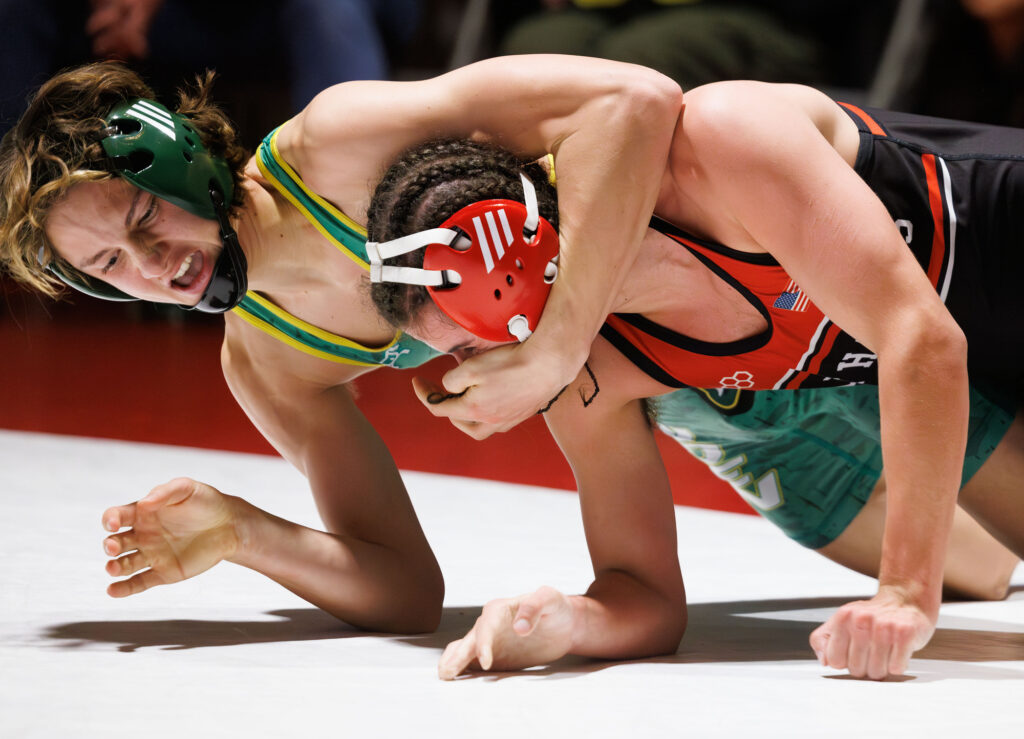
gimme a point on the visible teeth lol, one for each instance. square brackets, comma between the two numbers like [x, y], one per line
[184, 268]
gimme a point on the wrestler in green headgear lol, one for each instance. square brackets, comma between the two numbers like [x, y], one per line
[158, 151]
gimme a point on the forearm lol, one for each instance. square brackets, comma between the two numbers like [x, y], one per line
[622, 618]
[609, 174]
[364, 584]
[924, 410]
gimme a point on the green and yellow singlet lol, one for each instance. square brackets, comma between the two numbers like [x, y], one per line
[349, 237]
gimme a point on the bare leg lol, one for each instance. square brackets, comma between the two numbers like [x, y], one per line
[995, 495]
[977, 566]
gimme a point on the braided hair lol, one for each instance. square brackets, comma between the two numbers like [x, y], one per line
[428, 184]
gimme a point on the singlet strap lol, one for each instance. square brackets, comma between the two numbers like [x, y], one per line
[350, 238]
[347, 235]
[402, 351]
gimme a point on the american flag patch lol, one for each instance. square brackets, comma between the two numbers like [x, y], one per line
[791, 299]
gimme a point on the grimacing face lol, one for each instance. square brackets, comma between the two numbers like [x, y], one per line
[435, 329]
[135, 241]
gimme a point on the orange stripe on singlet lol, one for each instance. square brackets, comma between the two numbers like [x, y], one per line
[870, 122]
[938, 233]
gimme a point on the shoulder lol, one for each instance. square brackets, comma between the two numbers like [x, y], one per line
[737, 111]
[341, 141]
[358, 111]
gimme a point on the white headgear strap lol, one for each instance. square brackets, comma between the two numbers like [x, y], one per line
[377, 252]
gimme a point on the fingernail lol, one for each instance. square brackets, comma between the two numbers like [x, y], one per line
[820, 656]
[521, 626]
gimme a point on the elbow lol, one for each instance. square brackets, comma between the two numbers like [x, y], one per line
[947, 340]
[672, 629]
[655, 99]
[948, 345]
[666, 626]
[410, 606]
[662, 94]
[432, 601]
[419, 611]
[932, 349]
[643, 97]
[624, 617]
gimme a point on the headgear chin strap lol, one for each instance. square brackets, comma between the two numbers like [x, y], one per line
[489, 267]
[159, 152]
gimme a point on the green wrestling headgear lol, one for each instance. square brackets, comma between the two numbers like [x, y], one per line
[159, 152]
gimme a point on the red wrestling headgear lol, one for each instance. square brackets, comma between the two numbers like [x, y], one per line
[489, 267]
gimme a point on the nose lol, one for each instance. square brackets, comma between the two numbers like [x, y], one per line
[150, 260]
[464, 352]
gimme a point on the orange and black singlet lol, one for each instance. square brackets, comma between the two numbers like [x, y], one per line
[954, 190]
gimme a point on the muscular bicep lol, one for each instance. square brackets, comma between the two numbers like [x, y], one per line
[530, 104]
[596, 112]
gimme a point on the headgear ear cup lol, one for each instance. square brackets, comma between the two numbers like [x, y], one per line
[502, 273]
[489, 267]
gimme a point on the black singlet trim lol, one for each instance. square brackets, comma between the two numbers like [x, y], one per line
[762, 258]
[868, 137]
[638, 358]
[803, 366]
[697, 346]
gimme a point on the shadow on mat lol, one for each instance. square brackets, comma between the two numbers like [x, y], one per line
[298, 624]
[778, 631]
[291, 625]
[739, 631]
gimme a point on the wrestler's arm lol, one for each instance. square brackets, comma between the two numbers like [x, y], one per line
[771, 171]
[372, 567]
[636, 606]
[608, 125]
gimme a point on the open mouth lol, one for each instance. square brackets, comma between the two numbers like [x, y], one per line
[189, 270]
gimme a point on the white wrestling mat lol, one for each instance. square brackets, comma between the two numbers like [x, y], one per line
[232, 654]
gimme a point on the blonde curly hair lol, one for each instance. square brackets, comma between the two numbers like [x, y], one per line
[56, 145]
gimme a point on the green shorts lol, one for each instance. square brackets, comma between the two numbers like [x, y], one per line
[807, 460]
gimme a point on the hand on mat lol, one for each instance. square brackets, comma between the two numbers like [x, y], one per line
[120, 28]
[512, 634]
[178, 530]
[498, 389]
[873, 638]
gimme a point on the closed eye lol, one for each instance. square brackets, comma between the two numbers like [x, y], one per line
[150, 211]
[111, 263]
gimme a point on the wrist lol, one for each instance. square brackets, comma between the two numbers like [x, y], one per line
[912, 593]
[564, 355]
[579, 607]
[240, 536]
